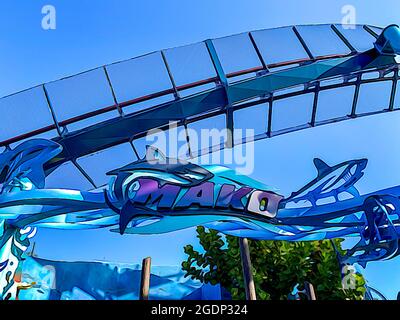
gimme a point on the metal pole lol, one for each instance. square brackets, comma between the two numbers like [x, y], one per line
[310, 292]
[145, 279]
[246, 265]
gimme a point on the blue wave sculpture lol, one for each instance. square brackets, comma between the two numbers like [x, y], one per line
[158, 194]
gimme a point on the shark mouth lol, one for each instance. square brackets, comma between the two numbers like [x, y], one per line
[348, 176]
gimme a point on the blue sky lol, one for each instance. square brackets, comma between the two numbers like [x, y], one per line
[90, 34]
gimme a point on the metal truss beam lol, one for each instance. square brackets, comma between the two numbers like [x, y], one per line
[118, 130]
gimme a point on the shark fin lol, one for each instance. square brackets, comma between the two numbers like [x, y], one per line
[153, 153]
[321, 166]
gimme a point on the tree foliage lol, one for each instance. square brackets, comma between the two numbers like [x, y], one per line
[277, 267]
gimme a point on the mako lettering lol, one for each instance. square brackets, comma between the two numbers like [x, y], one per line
[165, 196]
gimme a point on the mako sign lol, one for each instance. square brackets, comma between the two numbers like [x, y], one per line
[167, 197]
[157, 187]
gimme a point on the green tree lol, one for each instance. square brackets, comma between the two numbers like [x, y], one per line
[277, 267]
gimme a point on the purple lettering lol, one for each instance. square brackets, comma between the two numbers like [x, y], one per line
[151, 193]
[228, 197]
[201, 195]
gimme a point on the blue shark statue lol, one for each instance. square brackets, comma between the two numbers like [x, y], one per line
[331, 181]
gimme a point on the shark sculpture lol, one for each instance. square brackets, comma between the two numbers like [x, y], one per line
[160, 187]
[331, 181]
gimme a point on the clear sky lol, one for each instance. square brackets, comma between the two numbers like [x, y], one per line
[94, 33]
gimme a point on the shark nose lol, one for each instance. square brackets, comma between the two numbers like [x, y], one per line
[363, 163]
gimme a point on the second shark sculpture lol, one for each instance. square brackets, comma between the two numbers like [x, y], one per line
[331, 181]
